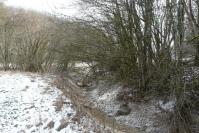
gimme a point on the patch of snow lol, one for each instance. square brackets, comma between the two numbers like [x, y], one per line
[167, 106]
[81, 65]
[27, 105]
[143, 115]
[109, 95]
[106, 100]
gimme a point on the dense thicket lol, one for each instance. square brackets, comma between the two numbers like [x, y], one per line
[24, 40]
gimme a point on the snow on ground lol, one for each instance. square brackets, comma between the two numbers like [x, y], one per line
[106, 100]
[143, 115]
[27, 104]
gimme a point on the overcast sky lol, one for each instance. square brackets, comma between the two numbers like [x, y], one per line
[67, 7]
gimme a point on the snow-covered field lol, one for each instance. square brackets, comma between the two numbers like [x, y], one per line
[29, 103]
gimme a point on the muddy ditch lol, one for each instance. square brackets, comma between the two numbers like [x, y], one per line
[89, 108]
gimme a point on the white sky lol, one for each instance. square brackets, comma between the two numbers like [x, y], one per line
[66, 7]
